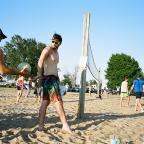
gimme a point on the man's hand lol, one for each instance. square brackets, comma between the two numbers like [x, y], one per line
[38, 79]
[24, 72]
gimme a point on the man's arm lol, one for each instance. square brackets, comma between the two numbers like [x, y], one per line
[43, 55]
[131, 88]
[6, 70]
[143, 86]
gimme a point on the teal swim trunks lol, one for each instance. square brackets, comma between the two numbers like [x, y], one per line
[51, 90]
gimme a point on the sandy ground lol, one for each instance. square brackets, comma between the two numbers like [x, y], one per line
[102, 119]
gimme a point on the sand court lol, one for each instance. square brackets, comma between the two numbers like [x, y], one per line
[102, 119]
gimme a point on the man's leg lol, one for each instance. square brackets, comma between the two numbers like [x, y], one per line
[128, 100]
[19, 95]
[139, 105]
[121, 101]
[61, 113]
[42, 113]
[27, 91]
[136, 104]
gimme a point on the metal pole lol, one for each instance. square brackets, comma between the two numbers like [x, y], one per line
[98, 88]
[83, 73]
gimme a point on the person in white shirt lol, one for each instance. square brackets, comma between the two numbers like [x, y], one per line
[124, 91]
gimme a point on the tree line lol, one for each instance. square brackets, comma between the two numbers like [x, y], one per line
[119, 66]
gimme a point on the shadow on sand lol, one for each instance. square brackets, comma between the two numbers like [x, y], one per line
[25, 124]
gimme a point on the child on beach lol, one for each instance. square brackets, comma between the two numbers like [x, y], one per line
[19, 86]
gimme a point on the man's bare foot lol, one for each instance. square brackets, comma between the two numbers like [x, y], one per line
[142, 110]
[17, 102]
[136, 109]
[66, 129]
[41, 129]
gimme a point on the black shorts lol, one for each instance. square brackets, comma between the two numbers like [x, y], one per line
[19, 87]
[138, 94]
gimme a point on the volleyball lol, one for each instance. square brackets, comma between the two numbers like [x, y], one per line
[24, 66]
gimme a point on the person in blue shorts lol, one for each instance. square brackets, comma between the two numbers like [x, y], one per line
[138, 86]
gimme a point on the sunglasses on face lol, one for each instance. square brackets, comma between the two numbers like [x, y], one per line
[57, 43]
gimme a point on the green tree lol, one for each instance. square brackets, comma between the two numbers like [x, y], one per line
[92, 82]
[120, 66]
[67, 79]
[20, 50]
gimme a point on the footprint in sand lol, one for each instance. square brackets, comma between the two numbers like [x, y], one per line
[10, 132]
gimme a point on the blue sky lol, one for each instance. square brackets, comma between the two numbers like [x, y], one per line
[116, 26]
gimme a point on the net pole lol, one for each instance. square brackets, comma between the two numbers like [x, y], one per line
[98, 89]
[85, 44]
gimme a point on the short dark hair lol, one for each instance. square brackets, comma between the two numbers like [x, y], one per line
[126, 77]
[57, 36]
[138, 77]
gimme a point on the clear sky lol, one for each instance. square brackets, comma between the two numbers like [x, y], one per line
[116, 26]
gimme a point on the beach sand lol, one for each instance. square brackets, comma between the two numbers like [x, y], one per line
[102, 119]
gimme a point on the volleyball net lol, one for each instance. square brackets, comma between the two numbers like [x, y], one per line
[91, 65]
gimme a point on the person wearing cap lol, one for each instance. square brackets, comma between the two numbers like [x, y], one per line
[138, 86]
[48, 73]
[2, 36]
[5, 69]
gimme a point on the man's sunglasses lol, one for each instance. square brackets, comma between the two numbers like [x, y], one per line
[57, 43]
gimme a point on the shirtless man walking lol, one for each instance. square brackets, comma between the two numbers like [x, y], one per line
[48, 73]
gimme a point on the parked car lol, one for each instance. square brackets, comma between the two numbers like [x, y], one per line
[5, 83]
[94, 90]
[112, 91]
[73, 89]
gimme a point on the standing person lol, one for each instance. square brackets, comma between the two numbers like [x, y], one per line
[48, 73]
[67, 87]
[5, 69]
[38, 90]
[138, 86]
[28, 87]
[100, 90]
[19, 85]
[90, 89]
[105, 92]
[118, 90]
[124, 91]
